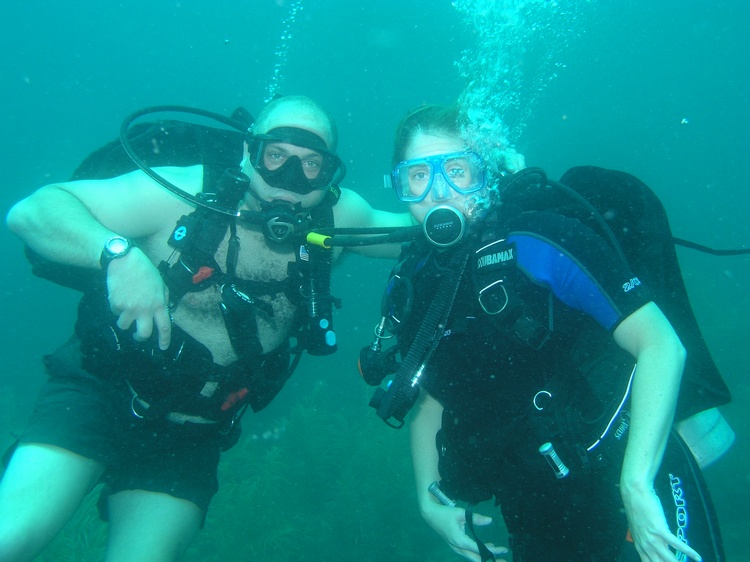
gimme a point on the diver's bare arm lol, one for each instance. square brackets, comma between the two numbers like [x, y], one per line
[660, 357]
[425, 422]
[352, 211]
[69, 222]
[59, 227]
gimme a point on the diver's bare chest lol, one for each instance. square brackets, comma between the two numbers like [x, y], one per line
[199, 313]
[256, 261]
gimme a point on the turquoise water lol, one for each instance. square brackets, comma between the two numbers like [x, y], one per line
[656, 89]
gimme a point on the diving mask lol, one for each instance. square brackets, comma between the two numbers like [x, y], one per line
[302, 173]
[463, 172]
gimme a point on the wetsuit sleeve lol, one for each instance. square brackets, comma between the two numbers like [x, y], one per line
[578, 267]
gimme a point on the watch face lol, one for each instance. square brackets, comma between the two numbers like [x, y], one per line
[117, 246]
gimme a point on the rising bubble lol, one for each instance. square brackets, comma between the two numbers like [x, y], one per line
[282, 51]
[516, 48]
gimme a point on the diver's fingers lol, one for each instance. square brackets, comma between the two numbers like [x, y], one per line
[125, 318]
[163, 321]
[680, 546]
[471, 551]
[481, 520]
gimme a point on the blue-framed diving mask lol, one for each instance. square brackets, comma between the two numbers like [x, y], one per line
[463, 172]
[317, 169]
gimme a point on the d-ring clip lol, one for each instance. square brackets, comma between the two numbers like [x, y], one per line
[539, 394]
[132, 406]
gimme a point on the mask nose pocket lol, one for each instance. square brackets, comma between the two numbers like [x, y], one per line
[440, 188]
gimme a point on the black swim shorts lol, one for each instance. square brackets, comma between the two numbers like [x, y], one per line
[92, 417]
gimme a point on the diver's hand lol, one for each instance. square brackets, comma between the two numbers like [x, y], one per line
[649, 528]
[512, 161]
[450, 523]
[137, 294]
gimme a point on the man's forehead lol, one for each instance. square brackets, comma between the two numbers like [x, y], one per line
[299, 118]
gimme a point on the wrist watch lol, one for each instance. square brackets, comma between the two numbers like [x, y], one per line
[115, 247]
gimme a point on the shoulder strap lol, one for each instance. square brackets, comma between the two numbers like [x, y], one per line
[402, 393]
[495, 275]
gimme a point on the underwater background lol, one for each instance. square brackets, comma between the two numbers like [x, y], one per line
[658, 89]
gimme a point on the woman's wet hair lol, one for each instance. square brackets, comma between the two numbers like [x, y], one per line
[428, 120]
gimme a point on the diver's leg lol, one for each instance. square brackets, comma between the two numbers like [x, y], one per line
[150, 526]
[40, 490]
[158, 499]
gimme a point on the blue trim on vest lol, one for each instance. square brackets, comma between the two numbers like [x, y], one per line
[552, 266]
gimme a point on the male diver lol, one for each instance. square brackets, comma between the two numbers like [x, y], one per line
[179, 340]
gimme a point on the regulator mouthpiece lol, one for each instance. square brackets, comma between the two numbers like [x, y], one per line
[444, 226]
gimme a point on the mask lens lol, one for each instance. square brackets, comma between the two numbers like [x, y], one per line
[413, 179]
[463, 173]
[276, 155]
[312, 167]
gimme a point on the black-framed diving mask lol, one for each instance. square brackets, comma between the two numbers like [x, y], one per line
[316, 168]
